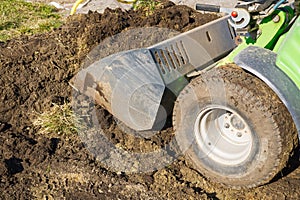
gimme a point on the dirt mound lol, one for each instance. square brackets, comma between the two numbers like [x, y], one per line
[35, 72]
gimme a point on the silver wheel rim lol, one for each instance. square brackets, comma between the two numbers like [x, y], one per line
[223, 135]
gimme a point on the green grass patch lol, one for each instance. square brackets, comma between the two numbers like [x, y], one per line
[19, 17]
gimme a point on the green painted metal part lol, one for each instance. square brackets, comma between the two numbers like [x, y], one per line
[288, 55]
[270, 29]
[279, 43]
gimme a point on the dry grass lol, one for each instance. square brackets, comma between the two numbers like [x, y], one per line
[60, 119]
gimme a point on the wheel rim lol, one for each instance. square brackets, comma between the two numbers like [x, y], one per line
[223, 135]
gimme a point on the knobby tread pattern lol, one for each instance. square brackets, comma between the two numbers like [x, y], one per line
[252, 90]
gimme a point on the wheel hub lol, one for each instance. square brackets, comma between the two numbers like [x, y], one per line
[223, 135]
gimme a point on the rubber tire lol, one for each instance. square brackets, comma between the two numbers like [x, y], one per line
[273, 130]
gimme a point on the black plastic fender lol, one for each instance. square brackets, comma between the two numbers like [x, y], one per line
[262, 63]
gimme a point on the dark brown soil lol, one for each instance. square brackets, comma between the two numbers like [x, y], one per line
[35, 72]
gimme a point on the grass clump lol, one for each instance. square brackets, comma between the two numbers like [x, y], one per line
[148, 6]
[60, 119]
[19, 17]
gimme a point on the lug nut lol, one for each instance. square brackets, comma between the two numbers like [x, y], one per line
[239, 134]
[226, 125]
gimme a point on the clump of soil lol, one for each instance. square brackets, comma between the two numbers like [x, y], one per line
[35, 72]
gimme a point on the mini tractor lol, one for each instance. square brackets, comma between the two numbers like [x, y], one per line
[231, 87]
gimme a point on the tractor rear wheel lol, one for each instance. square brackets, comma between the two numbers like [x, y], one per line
[234, 128]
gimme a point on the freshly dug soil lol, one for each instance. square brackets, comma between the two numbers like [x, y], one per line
[35, 72]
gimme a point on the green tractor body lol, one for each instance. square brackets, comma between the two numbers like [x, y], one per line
[288, 54]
